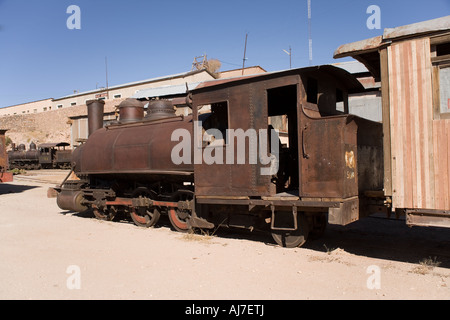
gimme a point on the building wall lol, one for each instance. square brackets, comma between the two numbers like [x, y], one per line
[51, 126]
[366, 105]
[27, 108]
[129, 90]
[420, 145]
[238, 72]
[122, 91]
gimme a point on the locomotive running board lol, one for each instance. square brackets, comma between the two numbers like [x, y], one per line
[266, 203]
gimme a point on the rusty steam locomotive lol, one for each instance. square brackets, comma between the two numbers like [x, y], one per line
[325, 159]
[44, 156]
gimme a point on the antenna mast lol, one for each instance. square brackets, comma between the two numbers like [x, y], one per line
[245, 52]
[309, 33]
[106, 69]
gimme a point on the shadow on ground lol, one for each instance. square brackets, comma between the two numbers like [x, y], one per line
[6, 188]
[378, 238]
[387, 239]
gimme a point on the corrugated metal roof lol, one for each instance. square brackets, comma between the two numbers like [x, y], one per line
[352, 66]
[55, 144]
[178, 75]
[165, 91]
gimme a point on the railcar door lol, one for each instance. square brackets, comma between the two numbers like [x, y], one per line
[227, 159]
[282, 104]
[236, 156]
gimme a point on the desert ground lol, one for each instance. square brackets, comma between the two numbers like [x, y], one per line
[47, 253]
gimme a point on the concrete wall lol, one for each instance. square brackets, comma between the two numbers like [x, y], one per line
[114, 93]
[128, 90]
[366, 105]
[51, 126]
[27, 108]
[238, 72]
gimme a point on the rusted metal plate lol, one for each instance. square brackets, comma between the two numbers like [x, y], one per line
[3, 154]
[328, 158]
[6, 177]
[338, 152]
[346, 213]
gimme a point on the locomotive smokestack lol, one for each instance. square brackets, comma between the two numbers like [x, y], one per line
[95, 115]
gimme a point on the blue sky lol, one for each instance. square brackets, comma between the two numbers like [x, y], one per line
[41, 58]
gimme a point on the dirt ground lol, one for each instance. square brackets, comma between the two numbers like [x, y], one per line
[46, 253]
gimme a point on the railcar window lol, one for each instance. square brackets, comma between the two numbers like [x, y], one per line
[444, 89]
[312, 89]
[443, 49]
[340, 100]
[216, 124]
[440, 58]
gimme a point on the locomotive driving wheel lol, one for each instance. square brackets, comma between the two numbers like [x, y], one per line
[179, 217]
[144, 216]
[105, 213]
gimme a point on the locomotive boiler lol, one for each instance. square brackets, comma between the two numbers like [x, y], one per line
[127, 166]
[239, 129]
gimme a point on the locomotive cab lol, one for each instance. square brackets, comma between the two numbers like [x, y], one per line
[325, 161]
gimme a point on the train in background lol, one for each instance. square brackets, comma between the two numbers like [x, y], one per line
[43, 156]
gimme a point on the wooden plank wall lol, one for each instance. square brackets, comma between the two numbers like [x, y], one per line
[441, 135]
[420, 145]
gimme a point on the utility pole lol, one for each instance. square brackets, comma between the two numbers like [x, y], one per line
[290, 56]
[245, 52]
